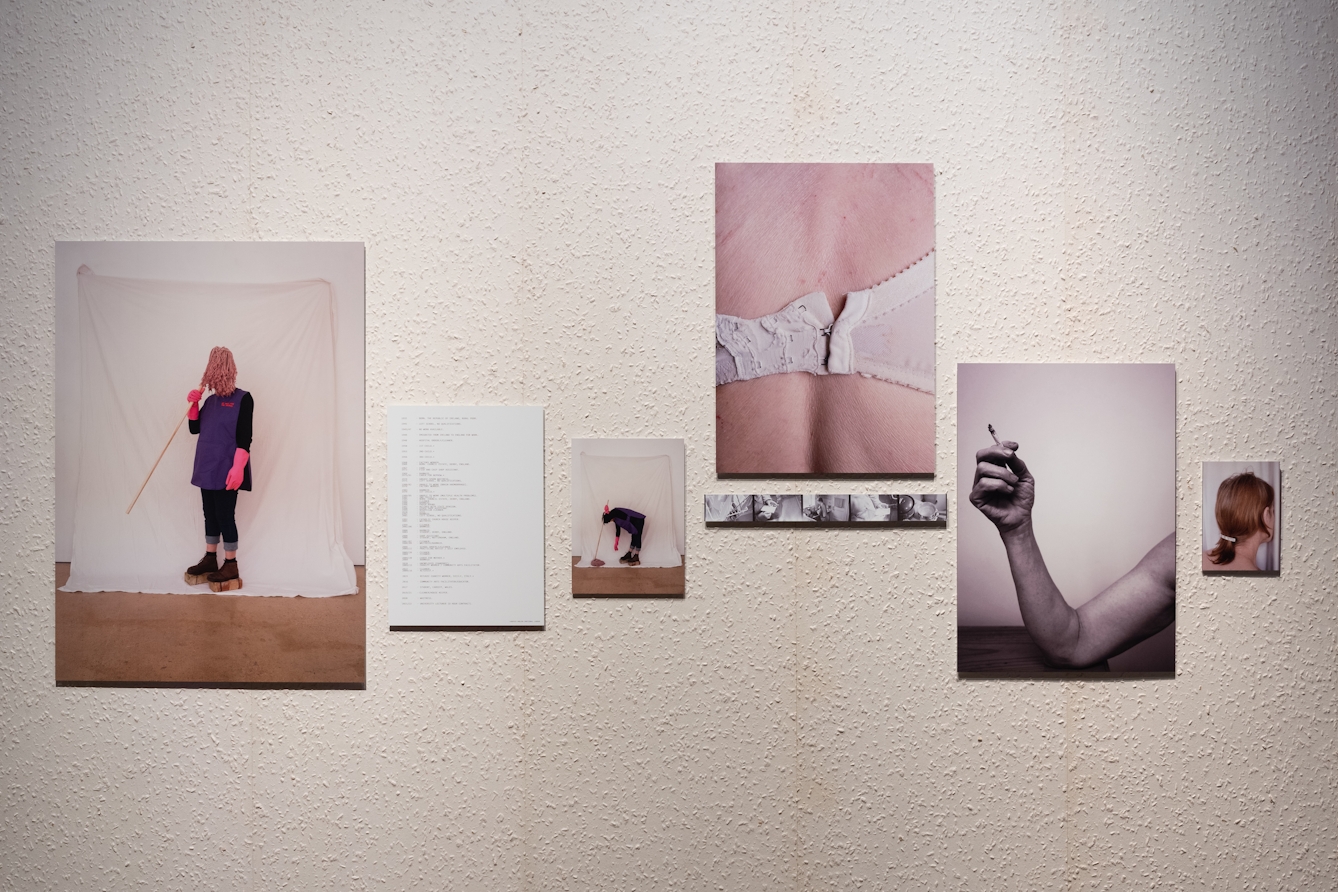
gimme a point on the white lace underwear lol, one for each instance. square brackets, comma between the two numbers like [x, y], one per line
[885, 332]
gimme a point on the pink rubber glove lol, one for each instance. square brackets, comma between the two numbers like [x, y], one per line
[238, 467]
[194, 399]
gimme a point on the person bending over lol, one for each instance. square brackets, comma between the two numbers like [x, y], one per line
[222, 463]
[1244, 515]
[634, 522]
[1134, 607]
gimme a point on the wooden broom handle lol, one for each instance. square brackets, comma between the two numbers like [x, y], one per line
[160, 458]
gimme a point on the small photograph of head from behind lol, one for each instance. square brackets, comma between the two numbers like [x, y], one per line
[1242, 514]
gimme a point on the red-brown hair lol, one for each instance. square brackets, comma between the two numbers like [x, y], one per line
[220, 375]
[1241, 502]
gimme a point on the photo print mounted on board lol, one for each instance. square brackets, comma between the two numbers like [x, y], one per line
[777, 508]
[728, 509]
[844, 510]
[1066, 539]
[824, 327]
[923, 508]
[827, 509]
[1242, 516]
[210, 463]
[627, 521]
[867, 508]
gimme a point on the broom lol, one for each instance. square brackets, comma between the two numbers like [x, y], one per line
[220, 367]
[595, 561]
[139, 491]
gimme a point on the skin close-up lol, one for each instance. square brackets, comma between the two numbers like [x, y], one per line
[783, 231]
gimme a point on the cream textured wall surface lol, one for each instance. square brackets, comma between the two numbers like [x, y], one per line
[1119, 182]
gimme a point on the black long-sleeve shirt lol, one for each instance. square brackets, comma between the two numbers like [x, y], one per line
[244, 413]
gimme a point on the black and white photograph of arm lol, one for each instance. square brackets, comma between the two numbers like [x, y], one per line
[1066, 555]
[1137, 605]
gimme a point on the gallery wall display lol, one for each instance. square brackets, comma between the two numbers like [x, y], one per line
[824, 328]
[1066, 539]
[205, 435]
[466, 538]
[861, 509]
[1242, 516]
[628, 530]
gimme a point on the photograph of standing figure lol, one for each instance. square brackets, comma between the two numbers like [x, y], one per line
[1242, 513]
[628, 521]
[210, 394]
[1066, 560]
[222, 429]
[824, 327]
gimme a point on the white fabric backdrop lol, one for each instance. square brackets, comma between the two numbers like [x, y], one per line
[143, 344]
[643, 484]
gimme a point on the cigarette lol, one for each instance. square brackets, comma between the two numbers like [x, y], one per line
[992, 434]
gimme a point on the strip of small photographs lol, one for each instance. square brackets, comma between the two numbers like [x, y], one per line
[861, 509]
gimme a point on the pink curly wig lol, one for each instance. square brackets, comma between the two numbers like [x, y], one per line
[220, 375]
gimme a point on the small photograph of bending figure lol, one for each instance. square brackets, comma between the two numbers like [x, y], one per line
[1242, 514]
[729, 509]
[1066, 559]
[627, 518]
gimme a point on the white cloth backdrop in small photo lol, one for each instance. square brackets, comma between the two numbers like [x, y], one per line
[649, 483]
[1214, 472]
[143, 344]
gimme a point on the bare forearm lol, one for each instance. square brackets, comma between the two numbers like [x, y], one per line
[1052, 623]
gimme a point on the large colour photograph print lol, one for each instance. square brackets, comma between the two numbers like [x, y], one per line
[1066, 524]
[824, 319]
[209, 463]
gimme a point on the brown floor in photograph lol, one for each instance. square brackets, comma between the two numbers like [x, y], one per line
[129, 637]
[637, 582]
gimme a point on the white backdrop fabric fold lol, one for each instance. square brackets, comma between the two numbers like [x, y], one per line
[143, 344]
[643, 484]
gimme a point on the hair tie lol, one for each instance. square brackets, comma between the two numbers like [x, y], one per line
[1230, 539]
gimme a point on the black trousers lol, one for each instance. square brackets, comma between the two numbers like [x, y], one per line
[640, 524]
[220, 516]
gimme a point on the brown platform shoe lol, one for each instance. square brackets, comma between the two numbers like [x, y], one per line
[226, 578]
[200, 572]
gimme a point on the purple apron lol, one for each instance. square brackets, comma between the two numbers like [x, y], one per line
[217, 444]
[630, 522]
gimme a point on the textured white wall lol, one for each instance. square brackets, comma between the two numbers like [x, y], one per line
[534, 184]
